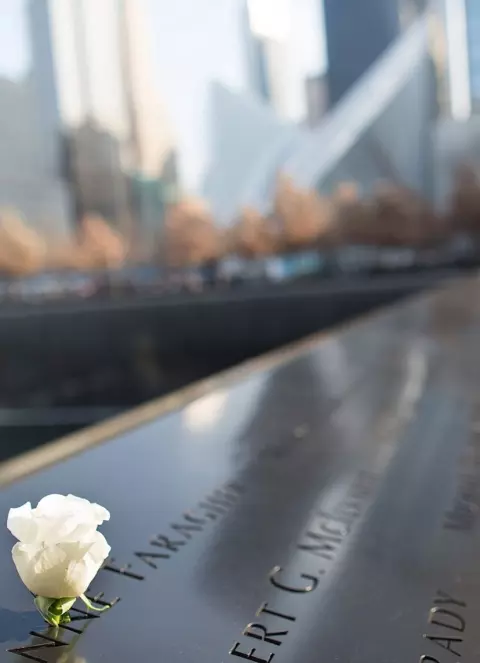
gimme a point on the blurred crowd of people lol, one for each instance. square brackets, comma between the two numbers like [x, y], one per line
[300, 219]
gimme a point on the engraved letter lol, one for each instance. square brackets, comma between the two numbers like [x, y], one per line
[147, 557]
[264, 609]
[325, 548]
[337, 518]
[162, 541]
[250, 656]
[192, 518]
[443, 598]
[121, 570]
[460, 518]
[445, 643]
[98, 598]
[185, 530]
[234, 487]
[82, 615]
[295, 590]
[451, 619]
[218, 503]
[48, 643]
[264, 635]
[336, 531]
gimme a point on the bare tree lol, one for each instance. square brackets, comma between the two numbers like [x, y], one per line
[464, 212]
[22, 249]
[304, 215]
[254, 235]
[191, 236]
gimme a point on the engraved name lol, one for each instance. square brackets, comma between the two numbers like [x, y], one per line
[466, 503]
[43, 641]
[164, 545]
[322, 541]
[446, 629]
[179, 533]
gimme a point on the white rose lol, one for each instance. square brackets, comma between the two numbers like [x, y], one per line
[59, 551]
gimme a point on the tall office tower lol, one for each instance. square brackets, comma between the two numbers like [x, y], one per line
[462, 30]
[461, 57]
[43, 84]
[316, 92]
[283, 50]
[116, 128]
[87, 74]
[266, 50]
[31, 178]
[472, 21]
[152, 142]
[86, 49]
[270, 55]
[357, 34]
[256, 60]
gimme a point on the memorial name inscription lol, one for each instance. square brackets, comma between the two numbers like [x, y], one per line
[323, 540]
[447, 614]
[191, 522]
[52, 638]
[462, 515]
[308, 558]
[210, 508]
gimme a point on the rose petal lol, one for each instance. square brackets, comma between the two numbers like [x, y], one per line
[60, 550]
[68, 529]
[22, 524]
[51, 505]
[100, 549]
[62, 571]
[58, 505]
[43, 570]
[97, 512]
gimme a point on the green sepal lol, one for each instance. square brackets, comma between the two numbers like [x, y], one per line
[90, 605]
[54, 611]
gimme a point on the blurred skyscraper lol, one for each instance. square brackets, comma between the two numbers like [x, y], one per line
[267, 57]
[43, 84]
[31, 178]
[150, 128]
[152, 144]
[472, 18]
[461, 19]
[284, 40]
[116, 128]
[358, 32]
[316, 90]
[462, 22]
[256, 60]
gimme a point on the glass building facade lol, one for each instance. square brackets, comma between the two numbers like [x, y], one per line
[472, 14]
[357, 34]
